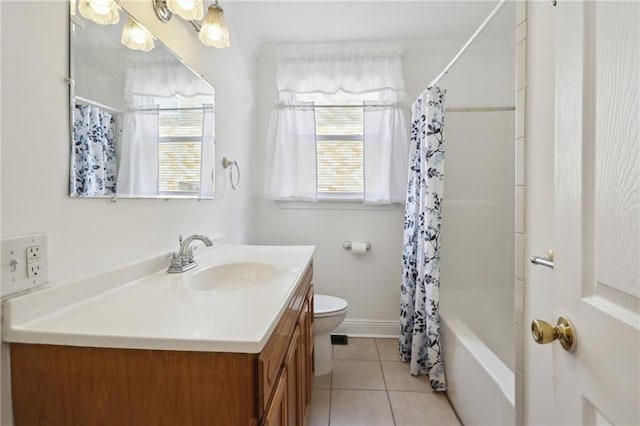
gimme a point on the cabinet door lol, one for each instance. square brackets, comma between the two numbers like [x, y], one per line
[276, 414]
[303, 362]
[292, 368]
[306, 322]
[303, 374]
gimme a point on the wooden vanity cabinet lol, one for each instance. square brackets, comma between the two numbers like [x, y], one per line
[290, 342]
[277, 414]
[69, 385]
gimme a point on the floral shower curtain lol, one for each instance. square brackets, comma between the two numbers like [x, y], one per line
[93, 163]
[419, 318]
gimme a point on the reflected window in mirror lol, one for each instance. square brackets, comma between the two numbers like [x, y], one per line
[181, 134]
[142, 122]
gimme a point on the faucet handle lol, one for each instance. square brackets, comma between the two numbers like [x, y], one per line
[175, 259]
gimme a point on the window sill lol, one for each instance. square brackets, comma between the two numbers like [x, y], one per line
[334, 204]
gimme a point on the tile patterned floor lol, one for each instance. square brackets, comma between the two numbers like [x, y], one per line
[369, 386]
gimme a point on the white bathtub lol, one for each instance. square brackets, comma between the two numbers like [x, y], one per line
[481, 387]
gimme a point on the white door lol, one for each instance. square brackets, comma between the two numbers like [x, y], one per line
[596, 279]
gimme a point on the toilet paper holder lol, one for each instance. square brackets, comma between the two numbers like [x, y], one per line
[347, 245]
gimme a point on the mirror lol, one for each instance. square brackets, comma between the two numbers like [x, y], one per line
[142, 123]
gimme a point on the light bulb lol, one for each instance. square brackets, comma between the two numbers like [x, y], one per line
[186, 4]
[214, 31]
[136, 37]
[103, 12]
[187, 9]
[101, 7]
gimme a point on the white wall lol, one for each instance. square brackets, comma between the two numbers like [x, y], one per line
[86, 236]
[477, 227]
[483, 77]
[5, 395]
[477, 223]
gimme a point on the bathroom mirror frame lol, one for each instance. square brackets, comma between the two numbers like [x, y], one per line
[206, 173]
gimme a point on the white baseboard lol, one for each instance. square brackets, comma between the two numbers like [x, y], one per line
[368, 328]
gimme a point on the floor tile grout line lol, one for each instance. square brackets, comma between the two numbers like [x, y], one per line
[330, 387]
[363, 390]
[330, 393]
[384, 379]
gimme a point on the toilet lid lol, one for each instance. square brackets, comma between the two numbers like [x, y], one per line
[323, 304]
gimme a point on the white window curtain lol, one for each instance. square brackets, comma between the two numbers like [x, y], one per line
[292, 171]
[138, 170]
[207, 184]
[145, 87]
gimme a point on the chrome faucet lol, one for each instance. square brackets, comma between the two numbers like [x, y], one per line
[183, 260]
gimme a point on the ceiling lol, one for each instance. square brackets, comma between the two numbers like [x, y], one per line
[330, 21]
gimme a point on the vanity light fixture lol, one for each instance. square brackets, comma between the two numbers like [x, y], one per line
[103, 12]
[162, 11]
[187, 9]
[136, 37]
[214, 31]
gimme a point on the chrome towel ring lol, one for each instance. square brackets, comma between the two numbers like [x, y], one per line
[231, 165]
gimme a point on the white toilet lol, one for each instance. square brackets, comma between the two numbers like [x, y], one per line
[328, 314]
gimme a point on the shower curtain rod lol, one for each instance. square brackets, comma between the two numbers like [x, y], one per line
[452, 109]
[202, 108]
[96, 104]
[111, 109]
[482, 26]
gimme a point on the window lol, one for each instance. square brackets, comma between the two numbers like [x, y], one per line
[180, 124]
[339, 132]
[180, 145]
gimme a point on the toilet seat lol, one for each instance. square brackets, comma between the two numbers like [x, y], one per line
[325, 306]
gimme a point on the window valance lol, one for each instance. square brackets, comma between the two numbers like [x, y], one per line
[350, 72]
[164, 79]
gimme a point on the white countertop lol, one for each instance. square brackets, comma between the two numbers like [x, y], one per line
[160, 311]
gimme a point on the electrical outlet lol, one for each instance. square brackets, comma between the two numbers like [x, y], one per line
[33, 253]
[24, 263]
[33, 269]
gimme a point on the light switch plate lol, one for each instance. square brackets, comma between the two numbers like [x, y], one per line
[24, 263]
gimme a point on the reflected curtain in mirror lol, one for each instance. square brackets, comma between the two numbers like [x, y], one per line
[93, 157]
[168, 133]
[138, 175]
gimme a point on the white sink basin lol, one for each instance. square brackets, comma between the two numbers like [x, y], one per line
[232, 276]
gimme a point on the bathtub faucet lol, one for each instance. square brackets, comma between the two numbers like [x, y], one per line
[183, 260]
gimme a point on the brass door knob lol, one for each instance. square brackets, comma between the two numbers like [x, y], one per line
[544, 333]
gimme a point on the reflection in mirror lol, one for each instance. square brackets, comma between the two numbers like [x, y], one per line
[142, 122]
